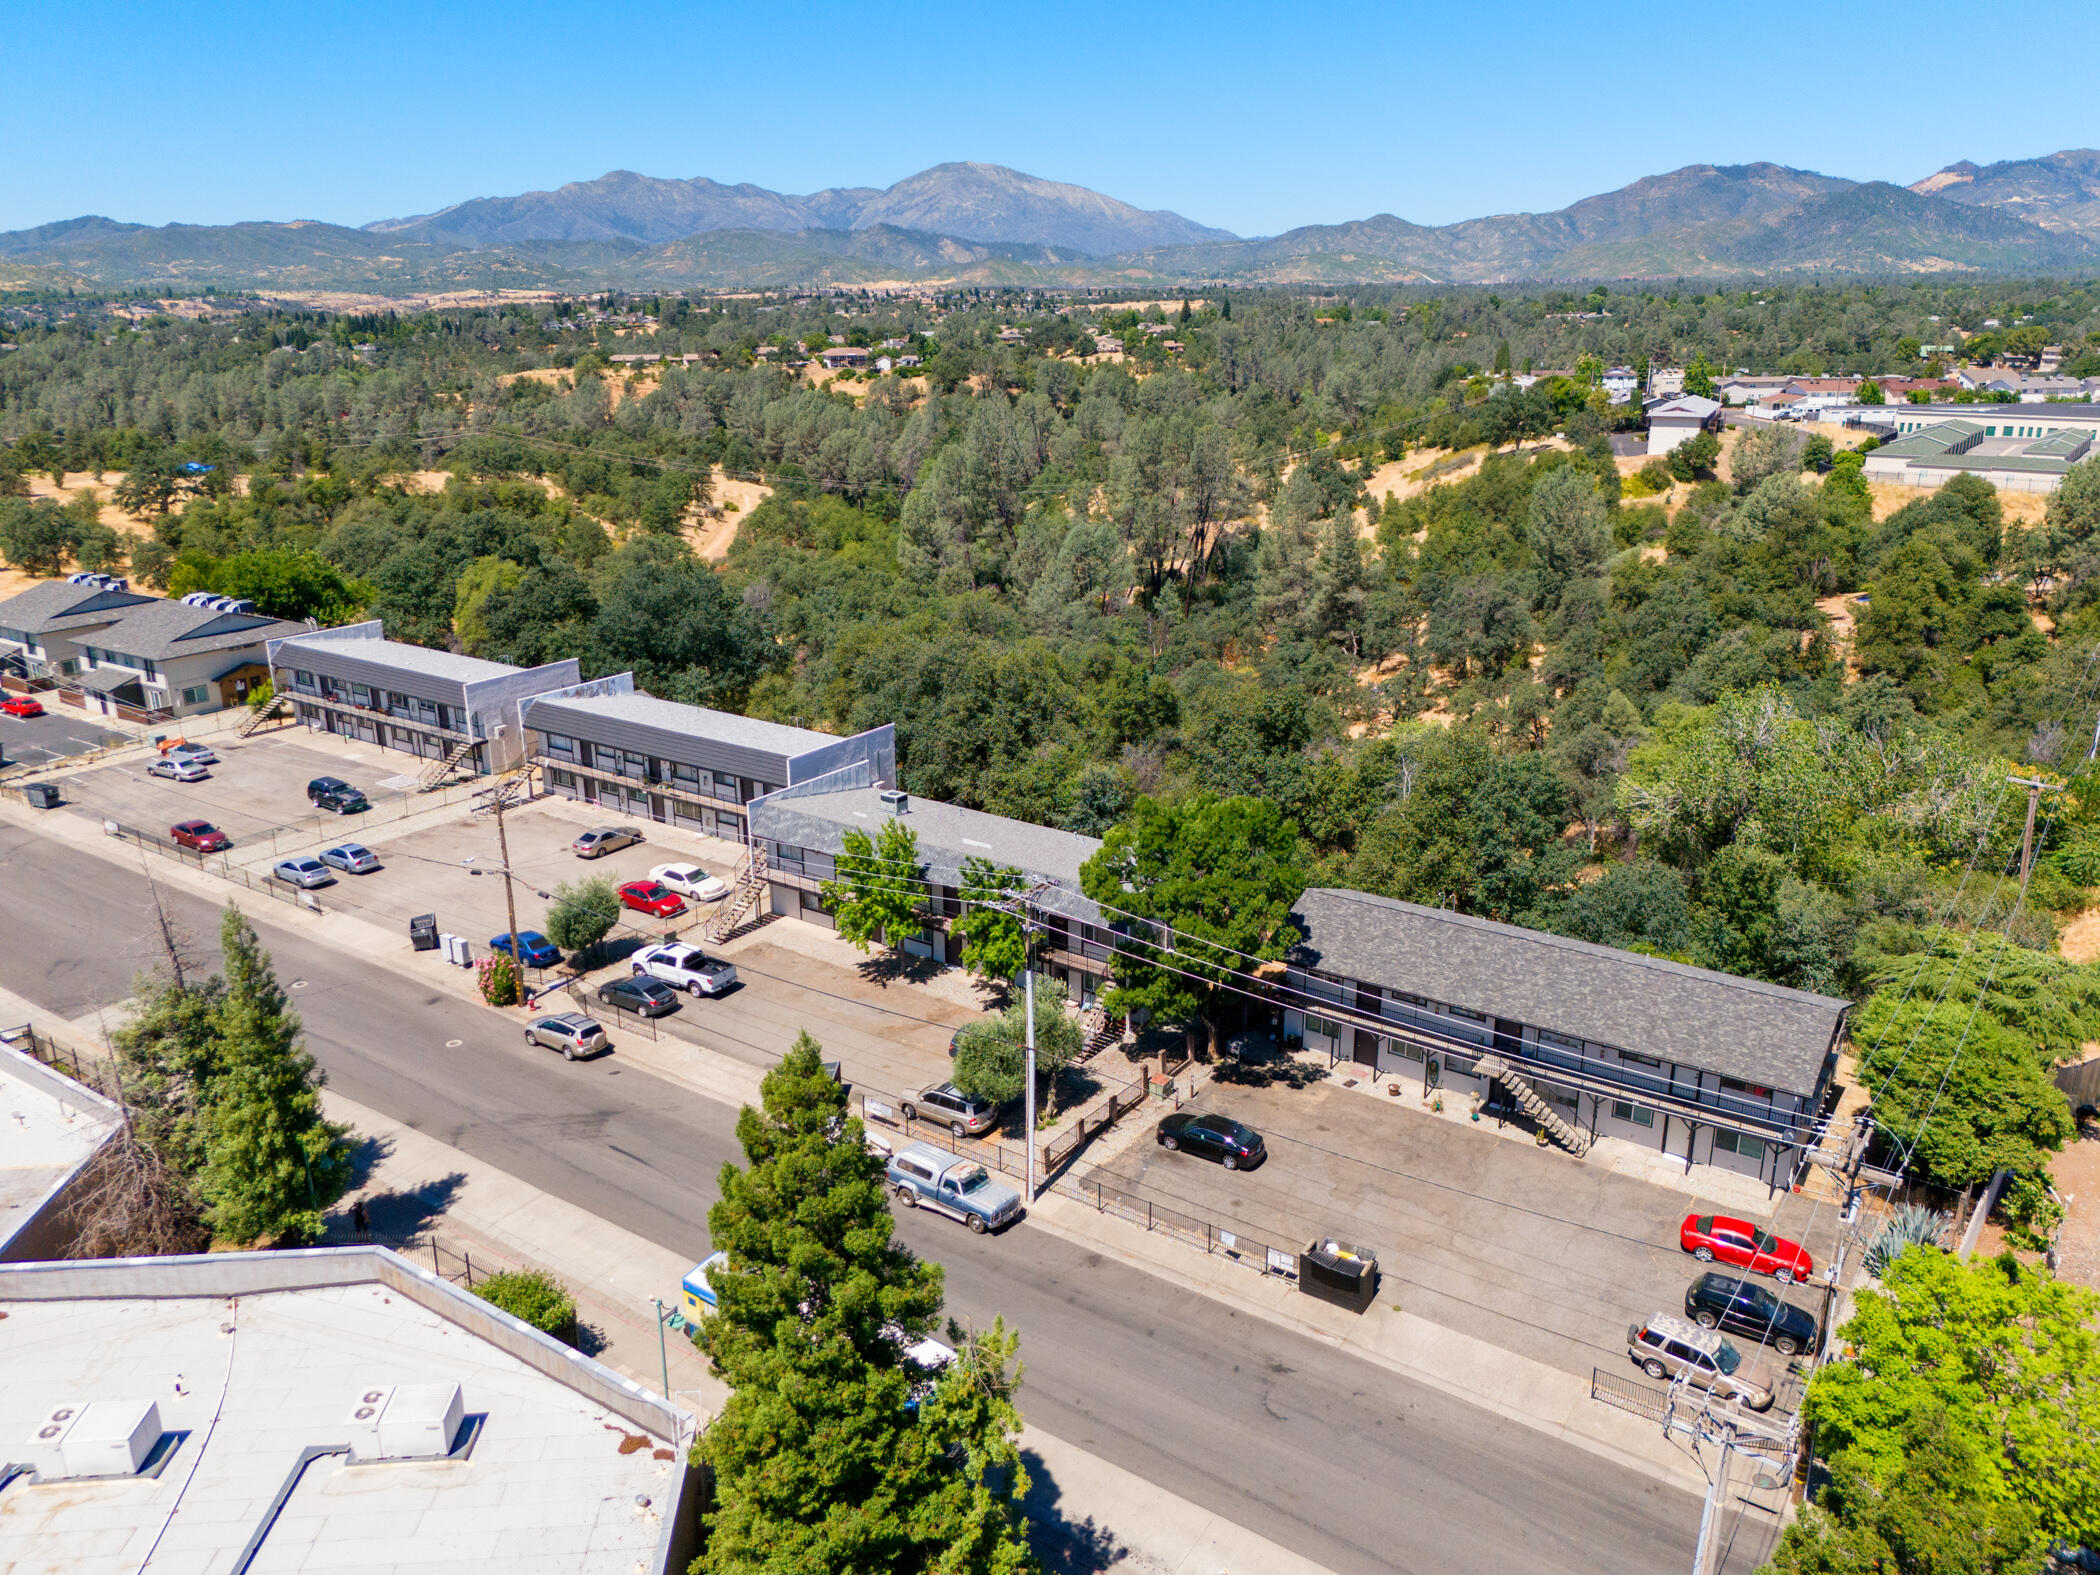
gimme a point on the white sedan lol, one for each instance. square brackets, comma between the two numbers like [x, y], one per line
[178, 769]
[691, 882]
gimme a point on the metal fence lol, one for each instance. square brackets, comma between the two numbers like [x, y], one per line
[98, 1075]
[1241, 1246]
[1097, 1119]
[214, 864]
[1629, 1394]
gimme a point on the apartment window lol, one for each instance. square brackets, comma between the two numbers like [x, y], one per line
[360, 694]
[1639, 1060]
[1320, 1028]
[1639, 1116]
[1741, 1144]
[1559, 1041]
[812, 902]
[555, 744]
[685, 776]
[302, 680]
[196, 694]
[1736, 1086]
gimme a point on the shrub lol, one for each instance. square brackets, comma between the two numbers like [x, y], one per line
[498, 979]
[533, 1297]
[1912, 1225]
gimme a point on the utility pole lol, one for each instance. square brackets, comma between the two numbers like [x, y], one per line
[1028, 1067]
[499, 800]
[2035, 788]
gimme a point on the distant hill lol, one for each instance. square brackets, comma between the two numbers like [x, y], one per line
[976, 202]
[2058, 192]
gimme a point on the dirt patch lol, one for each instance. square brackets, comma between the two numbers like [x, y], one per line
[712, 533]
[2076, 1175]
[78, 485]
[2079, 941]
[1840, 610]
[553, 376]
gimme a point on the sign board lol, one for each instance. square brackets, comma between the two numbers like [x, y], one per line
[875, 1110]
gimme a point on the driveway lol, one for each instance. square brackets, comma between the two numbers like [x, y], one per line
[62, 730]
[1526, 1247]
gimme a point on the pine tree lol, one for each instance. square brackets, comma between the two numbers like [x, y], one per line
[274, 1163]
[1339, 581]
[168, 1059]
[833, 1455]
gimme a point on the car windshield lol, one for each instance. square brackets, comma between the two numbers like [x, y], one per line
[973, 1180]
[1728, 1358]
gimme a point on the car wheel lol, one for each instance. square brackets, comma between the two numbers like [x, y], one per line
[958, 1131]
[1783, 1272]
[911, 1111]
[568, 1052]
[907, 1197]
[1231, 1162]
[1706, 1319]
[529, 1039]
[1703, 1254]
[1654, 1369]
[1786, 1345]
[695, 991]
[1168, 1141]
[977, 1225]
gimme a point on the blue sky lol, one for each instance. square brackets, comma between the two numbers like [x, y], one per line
[1252, 118]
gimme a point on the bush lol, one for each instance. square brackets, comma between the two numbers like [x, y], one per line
[1650, 480]
[498, 978]
[582, 914]
[533, 1297]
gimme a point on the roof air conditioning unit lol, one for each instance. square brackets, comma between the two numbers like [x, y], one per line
[103, 1438]
[239, 604]
[897, 801]
[116, 584]
[405, 1422]
[80, 579]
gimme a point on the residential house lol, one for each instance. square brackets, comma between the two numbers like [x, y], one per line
[1620, 383]
[605, 743]
[1663, 381]
[1746, 389]
[841, 356]
[1679, 419]
[439, 706]
[1012, 336]
[1812, 395]
[1702, 1066]
[35, 624]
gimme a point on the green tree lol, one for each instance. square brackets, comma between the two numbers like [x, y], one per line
[582, 913]
[284, 584]
[151, 485]
[1212, 882]
[1566, 527]
[2005, 1355]
[991, 1055]
[1870, 393]
[991, 934]
[532, 1296]
[880, 892]
[1694, 459]
[274, 1163]
[35, 537]
[168, 1057]
[821, 1463]
[1699, 379]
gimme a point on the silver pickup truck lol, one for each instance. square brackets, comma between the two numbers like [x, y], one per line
[922, 1176]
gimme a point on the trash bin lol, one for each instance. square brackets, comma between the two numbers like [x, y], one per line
[423, 932]
[42, 795]
[1336, 1272]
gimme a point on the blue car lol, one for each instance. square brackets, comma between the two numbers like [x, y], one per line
[533, 949]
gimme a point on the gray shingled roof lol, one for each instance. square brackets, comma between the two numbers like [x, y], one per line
[422, 659]
[161, 630]
[745, 732]
[52, 605]
[1742, 1028]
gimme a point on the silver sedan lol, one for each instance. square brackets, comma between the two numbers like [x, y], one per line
[352, 858]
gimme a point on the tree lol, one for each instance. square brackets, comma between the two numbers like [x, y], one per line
[1762, 452]
[1870, 393]
[35, 537]
[274, 1163]
[1995, 1360]
[532, 1296]
[880, 892]
[994, 945]
[833, 1455]
[1211, 882]
[293, 585]
[582, 914]
[1566, 528]
[1694, 459]
[991, 1054]
[1699, 379]
[151, 484]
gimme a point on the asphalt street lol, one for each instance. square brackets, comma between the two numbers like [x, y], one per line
[1344, 1461]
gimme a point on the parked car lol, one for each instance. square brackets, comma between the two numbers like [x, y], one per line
[305, 872]
[922, 1176]
[336, 794]
[572, 1033]
[686, 968]
[965, 1114]
[1722, 1301]
[643, 996]
[185, 750]
[1233, 1144]
[22, 707]
[1708, 1237]
[691, 881]
[601, 840]
[652, 897]
[532, 948]
[201, 835]
[353, 858]
[1667, 1347]
[178, 770]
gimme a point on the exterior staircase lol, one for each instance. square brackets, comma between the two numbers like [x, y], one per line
[1100, 1031]
[1568, 1136]
[743, 896]
[438, 771]
[280, 706]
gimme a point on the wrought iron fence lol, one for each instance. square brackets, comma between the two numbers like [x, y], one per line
[214, 864]
[1241, 1246]
[41, 1047]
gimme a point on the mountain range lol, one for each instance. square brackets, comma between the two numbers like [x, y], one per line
[985, 224]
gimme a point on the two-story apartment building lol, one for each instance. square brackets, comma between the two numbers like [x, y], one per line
[804, 831]
[1703, 1066]
[606, 743]
[37, 625]
[436, 705]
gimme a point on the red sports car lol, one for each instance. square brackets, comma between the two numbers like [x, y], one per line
[1711, 1236]
[201, 835]
[22, 706]
[652, 897]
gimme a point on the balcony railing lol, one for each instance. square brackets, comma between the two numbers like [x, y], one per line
[375, 712]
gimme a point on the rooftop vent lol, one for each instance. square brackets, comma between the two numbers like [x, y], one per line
[239, 604]
[82, 579]
[405, 1422]
[896, 801]
[99, 1438]
[198, 599]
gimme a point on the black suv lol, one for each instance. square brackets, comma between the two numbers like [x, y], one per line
[336, 794]
[1742, 1306]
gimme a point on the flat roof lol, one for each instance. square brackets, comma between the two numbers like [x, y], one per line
[52, 1127]
[1759, 1033]
[408, 658]
[672, 716]
[554, 1481]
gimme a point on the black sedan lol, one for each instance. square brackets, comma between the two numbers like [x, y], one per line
[642, 996]
[1233, 1144]
[1742, 1306]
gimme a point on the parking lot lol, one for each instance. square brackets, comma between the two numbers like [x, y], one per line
[1526, 1247]
[62, 730]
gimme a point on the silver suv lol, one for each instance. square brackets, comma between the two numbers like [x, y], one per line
[1667, 1347]
[965, 1115]
[922, 1176]
[572, 1033]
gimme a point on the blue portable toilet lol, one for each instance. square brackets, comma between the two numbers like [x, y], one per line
[699, 1295]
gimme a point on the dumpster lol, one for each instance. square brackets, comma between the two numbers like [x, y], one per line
[423, 932]
[1336, 1272]
[41, 795]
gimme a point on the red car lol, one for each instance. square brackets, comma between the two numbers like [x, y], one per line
[201, 835]
[22, 706]
[1710, 1236]
[652, 897]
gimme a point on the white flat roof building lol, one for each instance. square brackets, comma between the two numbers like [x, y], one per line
[338, 1409]
[50, 1127]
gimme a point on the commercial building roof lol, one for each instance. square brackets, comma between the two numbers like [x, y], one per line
[1742, 1028]
[745, 732]
[448, 665]
[52, 1128]
[256, 1360]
